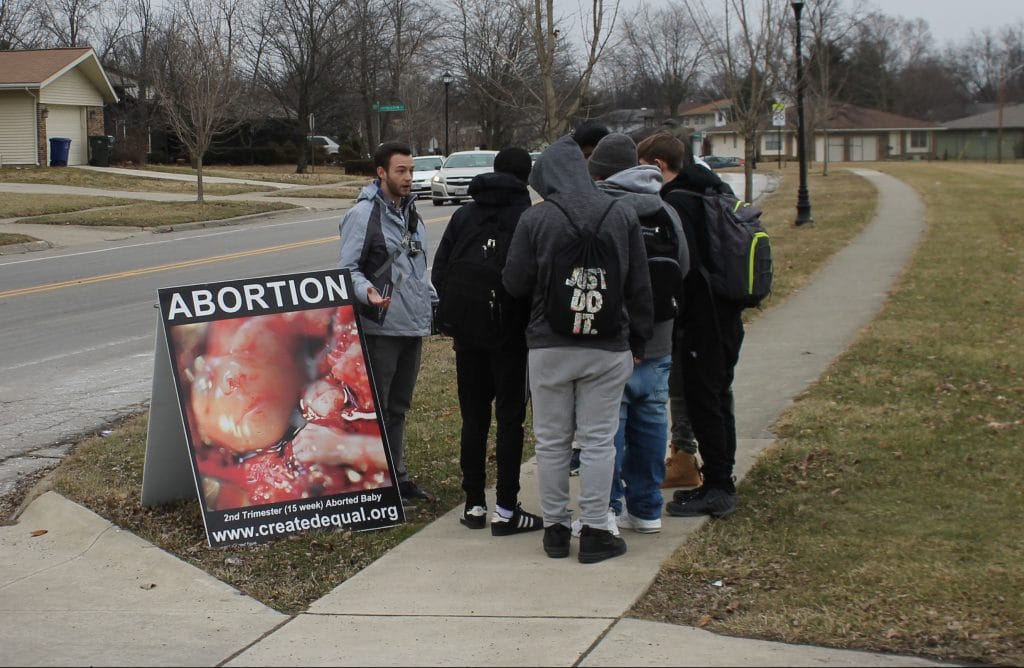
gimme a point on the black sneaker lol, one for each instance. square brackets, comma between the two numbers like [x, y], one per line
[574, 463]
[556, 541]
[687, 495]
[520, 522]
[474, 517]
[599, 544]
[411, 493]
[713, 501]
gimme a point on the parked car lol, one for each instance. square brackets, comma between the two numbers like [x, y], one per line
[329, 146]
[720, 162]
[424, 167]
[452, 181]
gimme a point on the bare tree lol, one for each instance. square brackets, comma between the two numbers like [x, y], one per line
[196, 82]
[744, 51]
[19, 27]
[298, 43]
[495, 57]
[560, 101]
[67, 22]
[661, 51]
[831, 31]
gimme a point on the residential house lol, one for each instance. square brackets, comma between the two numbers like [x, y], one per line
[46, 93]
[702, 118]
[852, 133]
[978, 137]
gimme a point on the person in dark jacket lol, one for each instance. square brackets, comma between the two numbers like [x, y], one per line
[711, 333]
[576, 382]
[492, 371]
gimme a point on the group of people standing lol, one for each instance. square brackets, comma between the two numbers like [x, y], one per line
[611, 399]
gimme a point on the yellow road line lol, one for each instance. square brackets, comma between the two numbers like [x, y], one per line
[173, 265]
[163, 267]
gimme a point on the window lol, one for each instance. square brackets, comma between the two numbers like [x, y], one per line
[918, 139]
[772, 142]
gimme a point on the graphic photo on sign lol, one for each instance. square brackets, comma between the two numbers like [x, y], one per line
[279, 407]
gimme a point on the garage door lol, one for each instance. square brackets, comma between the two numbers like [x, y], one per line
[67, 121]
[17, 129]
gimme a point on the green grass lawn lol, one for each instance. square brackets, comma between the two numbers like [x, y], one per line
[157, 214]
[84, 178]
[887, 516]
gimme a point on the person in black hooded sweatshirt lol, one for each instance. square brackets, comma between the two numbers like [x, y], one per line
[495, 373]
[709, 335]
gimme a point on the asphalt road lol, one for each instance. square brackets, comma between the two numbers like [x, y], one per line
[78, 324]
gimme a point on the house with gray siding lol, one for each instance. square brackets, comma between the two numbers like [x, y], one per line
[46, 93]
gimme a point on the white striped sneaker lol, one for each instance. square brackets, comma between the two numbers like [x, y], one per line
[520, 522]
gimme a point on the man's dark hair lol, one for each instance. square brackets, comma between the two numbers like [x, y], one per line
[663, 146]
[382, 156]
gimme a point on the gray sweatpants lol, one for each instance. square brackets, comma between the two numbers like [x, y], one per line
[576, 391]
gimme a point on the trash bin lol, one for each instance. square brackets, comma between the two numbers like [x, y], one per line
[59, 147]
[100, 147]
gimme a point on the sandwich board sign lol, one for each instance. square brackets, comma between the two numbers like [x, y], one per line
[263, 405]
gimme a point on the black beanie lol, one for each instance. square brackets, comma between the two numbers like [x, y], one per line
[614, 153]
[589, 133]
[514, 161]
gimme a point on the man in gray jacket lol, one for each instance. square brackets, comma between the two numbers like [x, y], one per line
[576, 382]
[642, 438]
[383, 243]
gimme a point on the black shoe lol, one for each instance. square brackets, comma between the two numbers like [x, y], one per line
[520, 522]
[599, 544]
[556, 541]
[474, 517]
[411, 493]
[713, 501]
[687, 495]
[574, 463]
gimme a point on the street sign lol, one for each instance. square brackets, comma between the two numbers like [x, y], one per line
[389, 107]
[779, 115]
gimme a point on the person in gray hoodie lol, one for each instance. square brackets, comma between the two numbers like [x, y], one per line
[642, 438]
[576, 382]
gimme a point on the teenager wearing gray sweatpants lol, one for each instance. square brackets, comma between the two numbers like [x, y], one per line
[576, 382]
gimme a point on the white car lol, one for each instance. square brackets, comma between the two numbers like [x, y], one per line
[424, 167]
[452, 181]
[329, 146]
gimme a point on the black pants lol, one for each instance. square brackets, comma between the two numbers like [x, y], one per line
[484, 377]
[706, 356]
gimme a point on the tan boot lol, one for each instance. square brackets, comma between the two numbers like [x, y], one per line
[681, 470]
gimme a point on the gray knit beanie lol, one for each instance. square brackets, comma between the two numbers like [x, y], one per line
[613, 153]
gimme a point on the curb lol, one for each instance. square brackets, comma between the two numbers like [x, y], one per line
[26, 247]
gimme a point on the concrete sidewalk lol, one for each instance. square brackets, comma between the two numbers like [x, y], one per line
[85, 592]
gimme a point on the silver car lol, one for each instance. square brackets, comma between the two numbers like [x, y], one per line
[451, 182]
[423, 169]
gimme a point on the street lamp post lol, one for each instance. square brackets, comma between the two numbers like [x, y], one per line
[446, 79]
[803, 200]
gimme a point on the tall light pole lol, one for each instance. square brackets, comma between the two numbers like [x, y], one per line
[803, 200]
[447, 80]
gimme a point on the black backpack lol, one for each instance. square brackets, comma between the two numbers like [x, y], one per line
[663, 251]
[738, 266]
[584, 295]
[474, 307]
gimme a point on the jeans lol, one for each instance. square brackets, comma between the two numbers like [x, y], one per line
[642, 439]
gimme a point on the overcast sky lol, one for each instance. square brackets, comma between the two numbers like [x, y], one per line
[953, 20]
